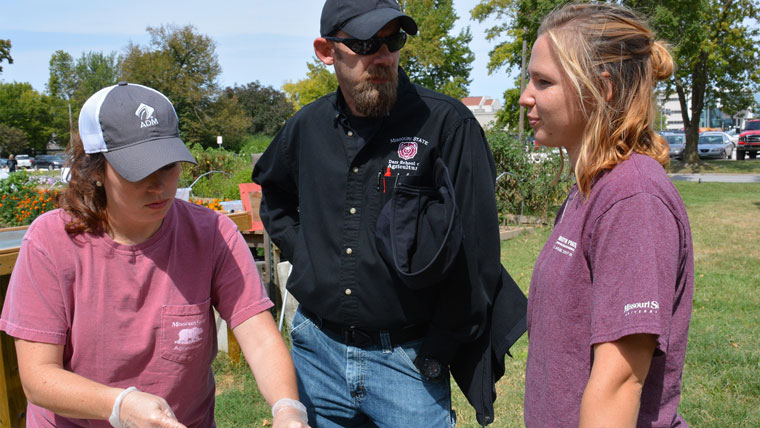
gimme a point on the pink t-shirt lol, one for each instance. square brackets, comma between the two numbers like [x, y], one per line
[617, 264]
[135, 315]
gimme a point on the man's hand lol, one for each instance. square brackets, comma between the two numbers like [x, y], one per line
[142, 410]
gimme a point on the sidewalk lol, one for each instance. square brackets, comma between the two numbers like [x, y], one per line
[718, 178]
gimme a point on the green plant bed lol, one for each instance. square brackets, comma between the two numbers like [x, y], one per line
[23, 197]
[224, 171]
[528, 182]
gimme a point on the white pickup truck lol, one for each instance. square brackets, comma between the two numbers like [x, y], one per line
[25, 161]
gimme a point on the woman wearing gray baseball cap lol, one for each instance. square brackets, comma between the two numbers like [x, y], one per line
[112, 299]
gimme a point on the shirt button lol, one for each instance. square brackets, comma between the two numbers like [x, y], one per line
[350, 133]
[348, 291]
[352, 210]
[349, 251]
[356, 169]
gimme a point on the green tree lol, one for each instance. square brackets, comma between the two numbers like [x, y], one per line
[319, 81]
[183, 65]
[27, 110]
[715, 47]
[94, 71]
[5, 52]
[62, 82]
[267, 107]
[71, 82]
[508, 117]
[12, 140]
[514, 21]
[435, 58]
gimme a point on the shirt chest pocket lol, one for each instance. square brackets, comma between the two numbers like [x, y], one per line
[186, 331]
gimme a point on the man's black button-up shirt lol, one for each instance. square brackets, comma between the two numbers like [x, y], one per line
[323, 189]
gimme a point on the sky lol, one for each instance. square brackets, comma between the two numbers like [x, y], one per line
[269, 41]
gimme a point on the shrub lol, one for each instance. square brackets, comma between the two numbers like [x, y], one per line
[235, 169]
[255, 144]
[529, 183]
[21, 201]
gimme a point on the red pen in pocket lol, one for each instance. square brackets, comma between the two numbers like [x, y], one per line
[387, 174]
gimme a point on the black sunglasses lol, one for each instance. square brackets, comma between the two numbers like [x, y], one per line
[370, 46]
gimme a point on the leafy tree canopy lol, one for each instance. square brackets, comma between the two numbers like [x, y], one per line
[12, 140]
[5, 52]
[319, 81]
[267, 107]
[71, 82]
[183, 65]
[25, 109]
[714, 43]
[715, 47]
[434, 58]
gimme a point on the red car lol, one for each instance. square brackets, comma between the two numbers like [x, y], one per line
[749, 140]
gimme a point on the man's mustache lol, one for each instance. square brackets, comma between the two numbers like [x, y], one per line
[380, 72]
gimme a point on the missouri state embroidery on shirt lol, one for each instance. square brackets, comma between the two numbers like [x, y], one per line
[408, 153]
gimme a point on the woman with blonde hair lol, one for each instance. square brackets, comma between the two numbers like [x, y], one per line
[611, 294]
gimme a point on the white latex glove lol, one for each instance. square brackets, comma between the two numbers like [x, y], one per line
[289, 413]
[142, 410]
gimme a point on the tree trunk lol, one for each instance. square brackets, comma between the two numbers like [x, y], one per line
[698, 87]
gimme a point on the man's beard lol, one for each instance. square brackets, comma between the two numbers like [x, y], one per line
[375, 100]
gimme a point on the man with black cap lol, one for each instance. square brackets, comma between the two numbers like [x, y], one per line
[381, 194]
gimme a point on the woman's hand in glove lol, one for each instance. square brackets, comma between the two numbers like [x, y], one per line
[289, 413]
[142, 410]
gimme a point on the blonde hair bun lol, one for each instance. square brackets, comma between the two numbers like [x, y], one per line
[662, 61]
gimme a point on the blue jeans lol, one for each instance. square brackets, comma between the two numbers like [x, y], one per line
[375, 386]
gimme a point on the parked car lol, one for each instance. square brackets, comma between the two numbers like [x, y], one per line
[3, 163]
[49, 162]
[24, 161]
[676, 141]
[715, 145]
[749, 140]
[733, 134]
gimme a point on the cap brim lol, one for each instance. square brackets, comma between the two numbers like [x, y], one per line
[365, 26]
[138, 161]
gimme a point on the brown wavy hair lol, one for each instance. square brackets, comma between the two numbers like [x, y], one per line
[591, 39]
[83, 200]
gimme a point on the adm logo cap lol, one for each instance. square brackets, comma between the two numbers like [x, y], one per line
[136, 129]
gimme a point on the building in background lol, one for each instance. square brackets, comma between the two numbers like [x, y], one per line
[484, 108]
[712, 117]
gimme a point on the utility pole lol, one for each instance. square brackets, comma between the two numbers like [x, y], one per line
[520, 131]
[71, 127]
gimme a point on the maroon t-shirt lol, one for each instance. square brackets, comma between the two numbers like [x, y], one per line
[619, 263]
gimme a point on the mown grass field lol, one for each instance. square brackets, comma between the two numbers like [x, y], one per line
[721, 385]
[711, 166]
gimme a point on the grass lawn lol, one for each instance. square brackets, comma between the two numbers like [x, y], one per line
[710, 166]
[721, 385]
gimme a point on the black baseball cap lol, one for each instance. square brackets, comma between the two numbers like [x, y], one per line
[136, 129]
[362, 19]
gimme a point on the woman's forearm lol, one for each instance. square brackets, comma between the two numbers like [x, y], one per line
[612, 397]
[48, 385]
[268, 357]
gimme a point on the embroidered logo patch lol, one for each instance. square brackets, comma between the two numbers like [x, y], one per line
[407, 150]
